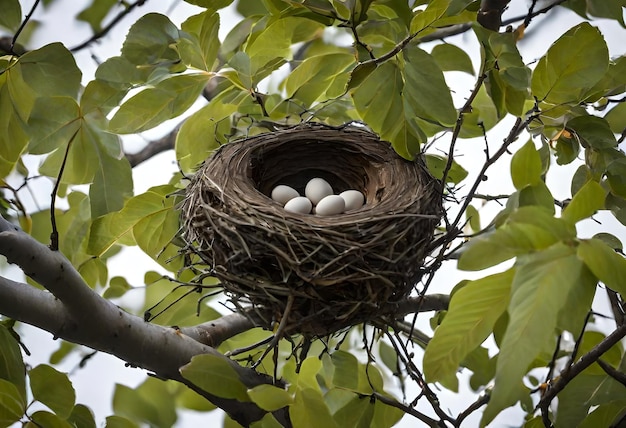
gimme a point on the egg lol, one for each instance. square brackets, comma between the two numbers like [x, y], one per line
[282, 194]
[353, 198]
[330, 205]
[317, 189]
[299, 204]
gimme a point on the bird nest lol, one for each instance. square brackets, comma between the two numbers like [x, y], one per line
[316, 274]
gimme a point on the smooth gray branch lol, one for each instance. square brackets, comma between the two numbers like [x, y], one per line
[77, 314]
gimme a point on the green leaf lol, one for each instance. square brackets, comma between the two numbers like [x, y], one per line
[95, 13]
[152, 106]
[13, 138]
[152, 402]
[51, 71]
[119, 422]
[309, 410]
[526, 166]
[473, 311]
[452, 58]
[435, 10]
[357, 412]
[270, 397]
[151, 43]
[608, 266]
[204, 27]
[11, 16]
[216, 376]
[526, 230]
[541, 280]
[112, 184]
[605, 415]
[12, 367]
[316, 76]
[149, 218]
[53, 389]
[593, 132]
[48, 420]
[616, 117]
[207, 129]
[346, 370]
[82, 417]
[53, 122]
[561, 76]
[425, 90]
[12, 404]
[276, 39]
[585, 203]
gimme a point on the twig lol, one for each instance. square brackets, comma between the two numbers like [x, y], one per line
[615, 374]
[585, 361]
[616, 306]
[22, 25]
[482, 400]
[108, 28]
[54, 235]
[153, 148]
[279, 331]
[409, 410]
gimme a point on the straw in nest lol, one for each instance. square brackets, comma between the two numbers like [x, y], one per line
[334, 271]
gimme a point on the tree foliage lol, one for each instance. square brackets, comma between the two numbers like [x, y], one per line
[528, 328]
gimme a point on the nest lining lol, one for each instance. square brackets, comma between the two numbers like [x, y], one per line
[339, 270]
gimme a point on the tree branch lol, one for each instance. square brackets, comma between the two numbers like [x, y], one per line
[153, 148]
[82, 316]
[611, 371]
[585, 361]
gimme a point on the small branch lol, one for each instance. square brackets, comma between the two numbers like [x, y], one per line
[22, 25]
[616, 306]
[482, 400]
[427, 303]
[409, 410]
[109, 27]
[585, 361]
[213, 333]
[153, 148]
[615, 374]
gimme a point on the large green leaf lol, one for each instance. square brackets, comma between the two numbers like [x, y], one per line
[452, 58]
[526, 166]
[119, 422]
[541, 280]
[473, 311]
[316, 76]
[561, 76]
[52, 388]
[148, 219]
[585, 203]
[216, 376]
[435, 10]
[95, 13]
[605, 415]
[11, 15]
[608, 266]
[425, 90]
[46, 419]
[204, 27]
[11, 365]
[379, 102]
[526, 230]
[270, 397]
[152, 106]
[276, 39]
[593, 131]
[12, 403]
[82, 417]
[207, 129]
[346, 370]
[309, 410]
[151, 42]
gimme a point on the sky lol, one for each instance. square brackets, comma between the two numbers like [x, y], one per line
[59, 25]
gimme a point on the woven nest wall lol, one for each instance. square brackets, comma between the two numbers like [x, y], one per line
[339, 270]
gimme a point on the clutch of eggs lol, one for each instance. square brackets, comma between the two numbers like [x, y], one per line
[319, 198]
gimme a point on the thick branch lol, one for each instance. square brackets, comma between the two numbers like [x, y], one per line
[427, 303]
[82, 316]
[213, 333]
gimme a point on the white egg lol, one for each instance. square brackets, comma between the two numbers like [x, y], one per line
[330, 205]
[317, 189]
[299, 204]
[282, 194]
[354, 199]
